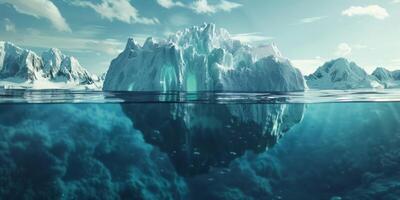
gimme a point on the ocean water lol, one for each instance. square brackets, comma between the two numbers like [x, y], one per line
[331, 145]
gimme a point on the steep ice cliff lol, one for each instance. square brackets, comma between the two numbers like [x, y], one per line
[24, 68]
[201, 58]
[19, 63]
[64, 68]
[341, 74]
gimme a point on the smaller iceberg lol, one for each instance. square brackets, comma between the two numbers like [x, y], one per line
[22, 68]
[390, 79]
[341, 74]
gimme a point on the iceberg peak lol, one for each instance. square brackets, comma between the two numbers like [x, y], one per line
[20, 66]
[132, 44]
[382, 74]
[149, 43]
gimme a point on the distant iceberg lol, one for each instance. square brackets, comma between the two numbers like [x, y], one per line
[390, 79]
[201, 58]
[22, 68]
[341, 74]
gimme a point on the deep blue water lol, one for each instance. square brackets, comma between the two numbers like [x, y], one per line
[77, 145]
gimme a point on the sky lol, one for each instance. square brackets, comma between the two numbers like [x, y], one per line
[308, 32]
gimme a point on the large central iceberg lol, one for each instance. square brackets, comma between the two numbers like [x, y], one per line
[200, 137]
[201, 58]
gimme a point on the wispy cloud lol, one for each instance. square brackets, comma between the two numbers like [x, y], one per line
[251, 37]
[343, 50]
[375, 11]
[9, 26]
[311, 19]
[202, 6]
[73, 42]
[170, 3]
[41, 9]
[121, 10]
[395, 1]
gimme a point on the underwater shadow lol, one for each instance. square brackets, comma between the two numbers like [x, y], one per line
[201, 136]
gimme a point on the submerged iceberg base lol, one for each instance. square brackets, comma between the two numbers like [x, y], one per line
[199, 137]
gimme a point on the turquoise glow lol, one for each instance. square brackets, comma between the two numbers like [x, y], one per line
[191, 83]
[168, 78]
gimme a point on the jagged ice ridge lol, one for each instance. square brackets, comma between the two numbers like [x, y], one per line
[201, 58]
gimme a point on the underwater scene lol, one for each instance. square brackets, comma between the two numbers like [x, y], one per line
[130, 146]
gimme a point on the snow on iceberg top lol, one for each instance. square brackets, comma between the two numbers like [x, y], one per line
[341, 74]
[23, 67]
[201, 58]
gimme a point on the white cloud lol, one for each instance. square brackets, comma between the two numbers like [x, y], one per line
[201, 6]
[343, 50]
[396, 1]
[40, 9]
[308, 66]
[251, 37]
[74, 42]
[311, 19]
[121, 10]
[375, 11]
[170, 3]
[9, 26]
[228, 6]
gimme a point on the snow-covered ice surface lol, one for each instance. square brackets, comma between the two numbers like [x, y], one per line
[341, 74]
[201, 58]
[22, 68]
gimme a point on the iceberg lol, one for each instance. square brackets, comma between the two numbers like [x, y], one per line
[341, 74]
[201, 58]
[390, 79]
[22, 68]
[199, 137]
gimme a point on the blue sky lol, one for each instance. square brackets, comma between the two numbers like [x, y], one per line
[308, 32]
